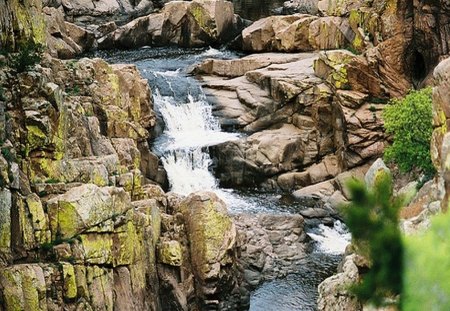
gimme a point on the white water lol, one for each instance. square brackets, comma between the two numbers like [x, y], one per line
[332, 240]
[190, 127]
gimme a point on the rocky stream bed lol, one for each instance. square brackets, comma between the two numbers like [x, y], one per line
[201, 167]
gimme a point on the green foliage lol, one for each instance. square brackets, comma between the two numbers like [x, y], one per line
[74, 91]
[427, 268]
[372, 217]
[52, 181]
[28, 55]
[8, 155]
[409, 120]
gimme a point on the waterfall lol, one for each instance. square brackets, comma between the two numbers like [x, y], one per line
[331, 240]
[190, 127]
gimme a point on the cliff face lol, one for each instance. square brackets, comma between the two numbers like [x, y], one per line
[83, 222]
[21, 21]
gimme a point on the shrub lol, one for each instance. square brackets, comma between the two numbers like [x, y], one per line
[409, 121]
[372, 218]
[28, 55]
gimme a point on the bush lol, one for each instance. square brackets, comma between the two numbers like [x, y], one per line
[372, 218]
[28, 55]
[409, 121]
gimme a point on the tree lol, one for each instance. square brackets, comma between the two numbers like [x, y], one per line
[373, 219]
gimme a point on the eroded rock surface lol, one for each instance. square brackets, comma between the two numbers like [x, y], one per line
[305, 125]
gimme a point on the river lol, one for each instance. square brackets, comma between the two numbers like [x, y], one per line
[188, 127]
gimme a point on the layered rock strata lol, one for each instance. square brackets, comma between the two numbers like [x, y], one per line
[307, 120]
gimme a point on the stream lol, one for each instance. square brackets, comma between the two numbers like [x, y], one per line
[189, 127]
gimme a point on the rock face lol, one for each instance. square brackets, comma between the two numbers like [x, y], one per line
[333, 292]
[305, 125]
[21, 21]
[186, 24]
[78, 197]
[298, 33]
[441, 115]
[270, 246]
[102, 11]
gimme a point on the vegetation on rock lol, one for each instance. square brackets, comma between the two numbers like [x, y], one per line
[28, 55]
[409, 121]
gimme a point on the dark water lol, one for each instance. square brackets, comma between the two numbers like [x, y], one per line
[256, 9]
[296, 291]
[167, 72]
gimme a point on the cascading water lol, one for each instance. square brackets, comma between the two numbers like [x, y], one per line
[189, 128]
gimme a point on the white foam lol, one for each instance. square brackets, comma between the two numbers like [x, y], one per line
[189, 127]
[332, 240]
[168, 73]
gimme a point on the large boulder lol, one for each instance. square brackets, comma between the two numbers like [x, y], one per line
[188, 24]
[264, 154]
[84, 207]
[65, 40]
[212, 236]
[334, 291]
[298, 33]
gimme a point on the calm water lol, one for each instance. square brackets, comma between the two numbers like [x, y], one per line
[256, 9]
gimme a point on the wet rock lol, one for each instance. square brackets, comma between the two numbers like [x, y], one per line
[270, 245]
[334, 293]
[300, 6]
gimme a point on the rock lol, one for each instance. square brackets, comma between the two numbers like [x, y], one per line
[300, 6]
[5, 225]
[287, 93]
[441, 113]
[270, 246]
[321, 190]
[299, 33]
[333, 291]
[170, 253]
[212, 236]
[66, 40]
[375, 173]
[23, 287]
[263, 154]
[83, 207]
[337, 7]
[22, 22]
[187, 24]
[94, 12]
